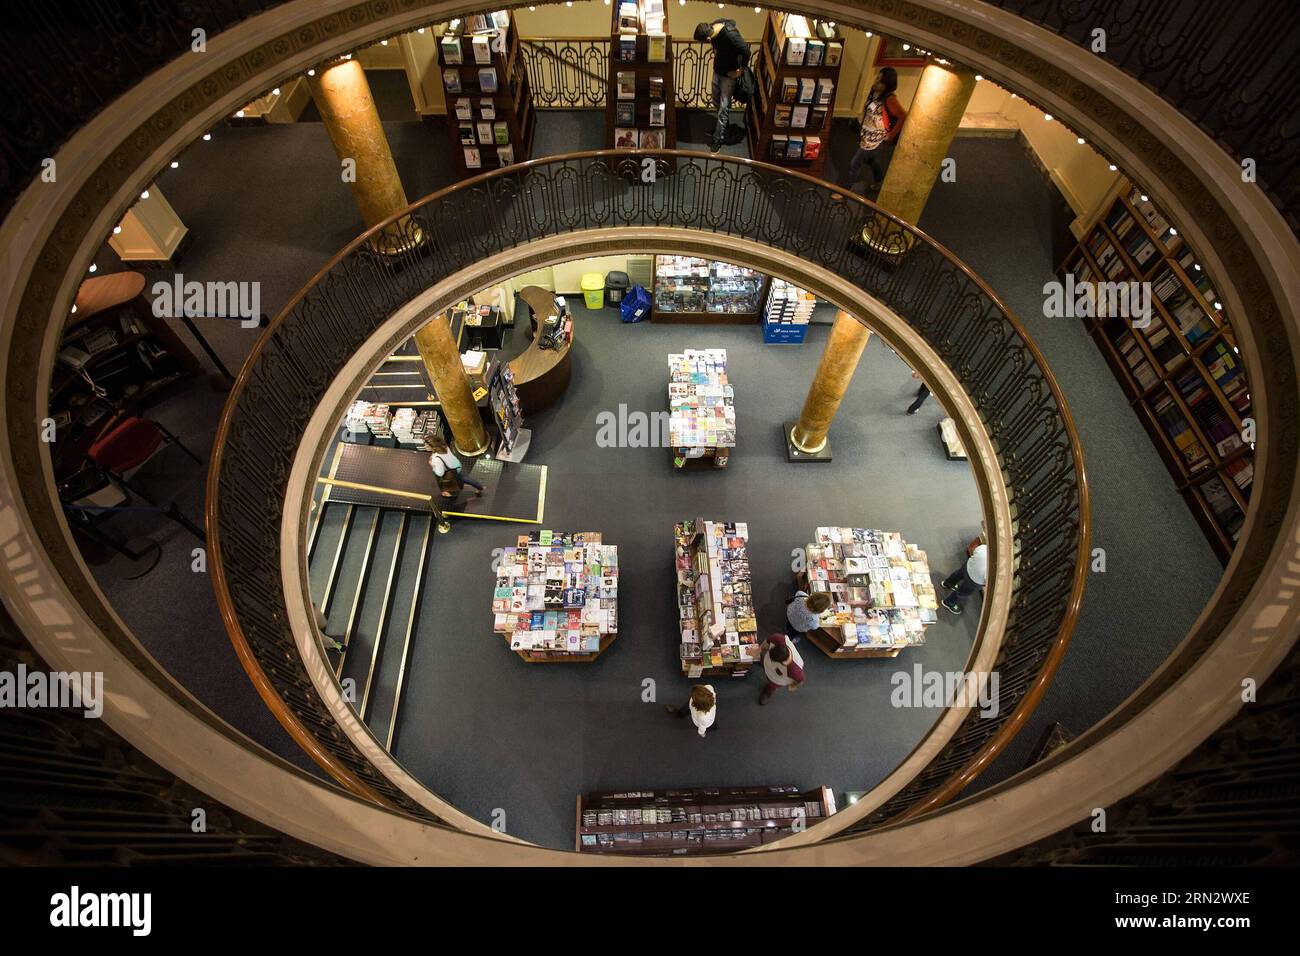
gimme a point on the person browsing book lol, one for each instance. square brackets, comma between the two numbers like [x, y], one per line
[882, 121]
[730, 57]
[782, 665]
[702, 705]
[803, 613]
[445, 464]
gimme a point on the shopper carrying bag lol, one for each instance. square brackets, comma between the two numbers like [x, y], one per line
[782, 665]
[730, 58]
[882, 121]
[448, 471]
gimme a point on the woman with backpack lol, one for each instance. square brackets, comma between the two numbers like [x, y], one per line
[882, 121]
[447, 469]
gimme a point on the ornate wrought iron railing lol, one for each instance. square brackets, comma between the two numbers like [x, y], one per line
[1008, 381]
[573, 72]
[1230, 68]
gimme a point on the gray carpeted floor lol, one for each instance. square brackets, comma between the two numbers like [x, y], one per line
[490, 732]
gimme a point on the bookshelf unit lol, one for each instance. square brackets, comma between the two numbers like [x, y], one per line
[881, 587]
[789, 88]
[650, 79]
[713, 581]
[556, 597]
[482, 114]
[705, 820]
[1182, 373]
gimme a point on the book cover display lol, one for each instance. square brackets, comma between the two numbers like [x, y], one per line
[556, 595]
[798, 65]
[639, 113]
[715, 599]
[489, 100]
[880, 588]
[701, 402]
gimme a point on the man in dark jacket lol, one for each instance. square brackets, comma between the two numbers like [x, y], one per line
[730, 57]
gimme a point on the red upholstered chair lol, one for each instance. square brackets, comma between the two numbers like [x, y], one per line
[126, 445]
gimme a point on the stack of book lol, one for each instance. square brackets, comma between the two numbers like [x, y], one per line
[410, 427]
[715, 598]
[701, 402]
[788, 311]
[556, 594]
[880, 587]
[372, 417]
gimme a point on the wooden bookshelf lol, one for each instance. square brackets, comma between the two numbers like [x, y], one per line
[704, 820]
[1182, 372]
[468, 109]
[644, 73]
[701, 300]
[772, 112]
[701, 572]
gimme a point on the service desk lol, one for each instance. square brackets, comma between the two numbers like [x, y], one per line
[541, 375]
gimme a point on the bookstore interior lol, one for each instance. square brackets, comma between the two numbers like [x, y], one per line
[483, 473]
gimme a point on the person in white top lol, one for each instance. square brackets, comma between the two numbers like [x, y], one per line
[702, 706]
[967, 579]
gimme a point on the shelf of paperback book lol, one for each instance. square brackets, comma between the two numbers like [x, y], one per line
[881, 589]
[556, 596]
[701, 409]
[489, 105]
[1177, 362]
[640, 111]
[797, 68]
[715, 599]
[702, 820]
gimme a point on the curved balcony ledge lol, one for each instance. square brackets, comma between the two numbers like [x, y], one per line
[1247, 628]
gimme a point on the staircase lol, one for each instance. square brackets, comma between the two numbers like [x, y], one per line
[366, 568]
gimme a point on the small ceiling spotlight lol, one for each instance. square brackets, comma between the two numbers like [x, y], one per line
[276, 91]
[311, 72]
[1048, 117]
[116, 230]
[94, 268]
[175, 164]
[145, 194]
[1080, 141]
[1113, 168]
[206, 137]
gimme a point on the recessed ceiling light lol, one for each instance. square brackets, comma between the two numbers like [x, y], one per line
[1196, 266]
[276, 91]
[1218, 307]
[1079, 140]
[311, 72]
[74, 308]
[1113, 167]
[1144, 197]
[1173, 231]
[239, 112]
[93, 267]
[175, 165]
[206, 137]
[907, 46]
[116, 230]
[383, 43]
[1048, 117]
[978, 77]
[145, 194]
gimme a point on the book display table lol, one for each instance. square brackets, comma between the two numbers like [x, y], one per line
[713, 587]
[704, 820]
[702, 412]
[556, 598]
[881, 586]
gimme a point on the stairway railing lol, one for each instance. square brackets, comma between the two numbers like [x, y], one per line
[1018, 401]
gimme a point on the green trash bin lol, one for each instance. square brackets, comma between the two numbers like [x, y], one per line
[593, 290]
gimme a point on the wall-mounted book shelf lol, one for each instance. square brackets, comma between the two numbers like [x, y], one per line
[640, 110]
[702, 820]
[490, 115]
[1182, 372]
[797, 72]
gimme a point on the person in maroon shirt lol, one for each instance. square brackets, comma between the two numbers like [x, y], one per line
[783, 666]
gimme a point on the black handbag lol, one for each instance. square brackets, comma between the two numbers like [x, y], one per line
[746, 87]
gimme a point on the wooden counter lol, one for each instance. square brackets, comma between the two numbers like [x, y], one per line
[541, 375]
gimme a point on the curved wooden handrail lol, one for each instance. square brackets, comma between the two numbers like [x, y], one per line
[885, 222]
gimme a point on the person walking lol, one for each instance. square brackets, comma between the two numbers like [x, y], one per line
[922, 394]
[967, 579]
[882, 121]
[702, 705]
[803, 613]
[444, 463]
[730, 57]
[782, 665]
